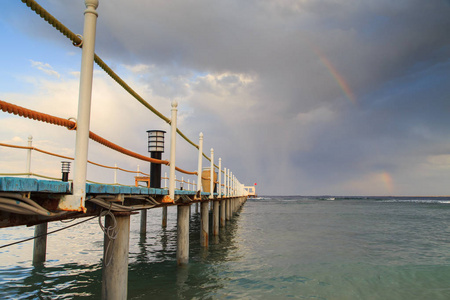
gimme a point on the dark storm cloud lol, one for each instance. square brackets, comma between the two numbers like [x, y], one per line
[258, 74]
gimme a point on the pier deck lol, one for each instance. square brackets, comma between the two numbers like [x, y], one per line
[48, 193]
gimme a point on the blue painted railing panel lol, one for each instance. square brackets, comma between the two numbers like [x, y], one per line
[49, 186]
[19, 184]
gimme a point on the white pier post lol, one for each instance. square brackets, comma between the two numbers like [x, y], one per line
[115, 173]
[40, 243]
[200, 159]
[165, 180]
[30, 144]
[225, 182]
[182, 234]
[219, 188]
[173, 137]
[115, 258]
[84, 107]
[211, 176]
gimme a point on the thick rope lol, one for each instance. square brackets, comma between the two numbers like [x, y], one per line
[71, 158]
[76, 40]
[34, 115]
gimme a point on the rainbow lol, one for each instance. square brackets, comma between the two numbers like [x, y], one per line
[336, 75]
[386, 178]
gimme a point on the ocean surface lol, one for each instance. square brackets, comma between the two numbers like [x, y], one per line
[274, 248]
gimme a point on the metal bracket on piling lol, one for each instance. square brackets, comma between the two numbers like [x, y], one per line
[72, 203]
[168, 199]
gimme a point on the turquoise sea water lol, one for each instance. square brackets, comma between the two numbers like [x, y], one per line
[275, 248]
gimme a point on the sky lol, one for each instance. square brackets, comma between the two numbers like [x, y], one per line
[302, 97]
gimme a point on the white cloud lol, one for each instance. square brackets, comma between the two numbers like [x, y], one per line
[44, 67]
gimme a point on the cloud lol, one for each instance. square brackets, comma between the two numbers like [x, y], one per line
[44, 67]
[268, 83]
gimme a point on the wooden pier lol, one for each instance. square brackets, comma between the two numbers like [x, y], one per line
[35, 202]
[19, 197]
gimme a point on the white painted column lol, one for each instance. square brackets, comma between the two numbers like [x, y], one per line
[211, 176]
[30, 144]
[84, 105]
[219, 188]
[115, 173]
[173, 137]
[200, 160]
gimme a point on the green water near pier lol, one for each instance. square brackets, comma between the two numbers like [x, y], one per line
[275, 248]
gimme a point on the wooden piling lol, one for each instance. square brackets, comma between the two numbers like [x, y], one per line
[40, 243]
[216, 218]
[164, 217]
[115, 257]
[143, 228]
[204, 223]
[182, 234]
[222, 213]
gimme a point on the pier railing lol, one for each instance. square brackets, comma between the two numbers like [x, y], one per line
[227, 183]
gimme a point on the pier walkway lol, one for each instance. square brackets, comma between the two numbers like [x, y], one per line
[26, 200]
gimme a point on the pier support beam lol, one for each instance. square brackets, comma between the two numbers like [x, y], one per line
[182, 234]
[228, 209]
[216, 218]
[204, 223]
[222, 213]
[164, 217]
[115, 257]
[40, 243]
[143, 228]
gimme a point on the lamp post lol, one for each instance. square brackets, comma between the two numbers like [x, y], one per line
[156, 148]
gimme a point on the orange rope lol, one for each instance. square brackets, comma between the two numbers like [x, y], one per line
[34, 115]
[67, 157]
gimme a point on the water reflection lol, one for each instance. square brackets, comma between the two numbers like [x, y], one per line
[73, 268]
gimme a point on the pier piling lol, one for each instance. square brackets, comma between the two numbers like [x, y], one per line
[204, 223]
[143, 228]
[40, 243]
[115, 256]
[182, 234]
[164, 217]
[222, 213]
[216, 218]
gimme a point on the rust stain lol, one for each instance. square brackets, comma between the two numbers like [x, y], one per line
[167, 199]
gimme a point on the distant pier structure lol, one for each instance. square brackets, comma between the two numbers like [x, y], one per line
[33, 199]
[250, 191]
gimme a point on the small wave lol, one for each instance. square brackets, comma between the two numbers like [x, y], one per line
[417, 201]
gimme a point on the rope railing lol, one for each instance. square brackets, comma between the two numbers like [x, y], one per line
[70, 158]
[231, 183]
[71, 125]
[77, 41]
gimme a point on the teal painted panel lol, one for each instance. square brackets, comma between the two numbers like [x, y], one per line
[184, 192]
[112, 189]
[125, 190]
[48, 186]
[135, 190]
[17, 184]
